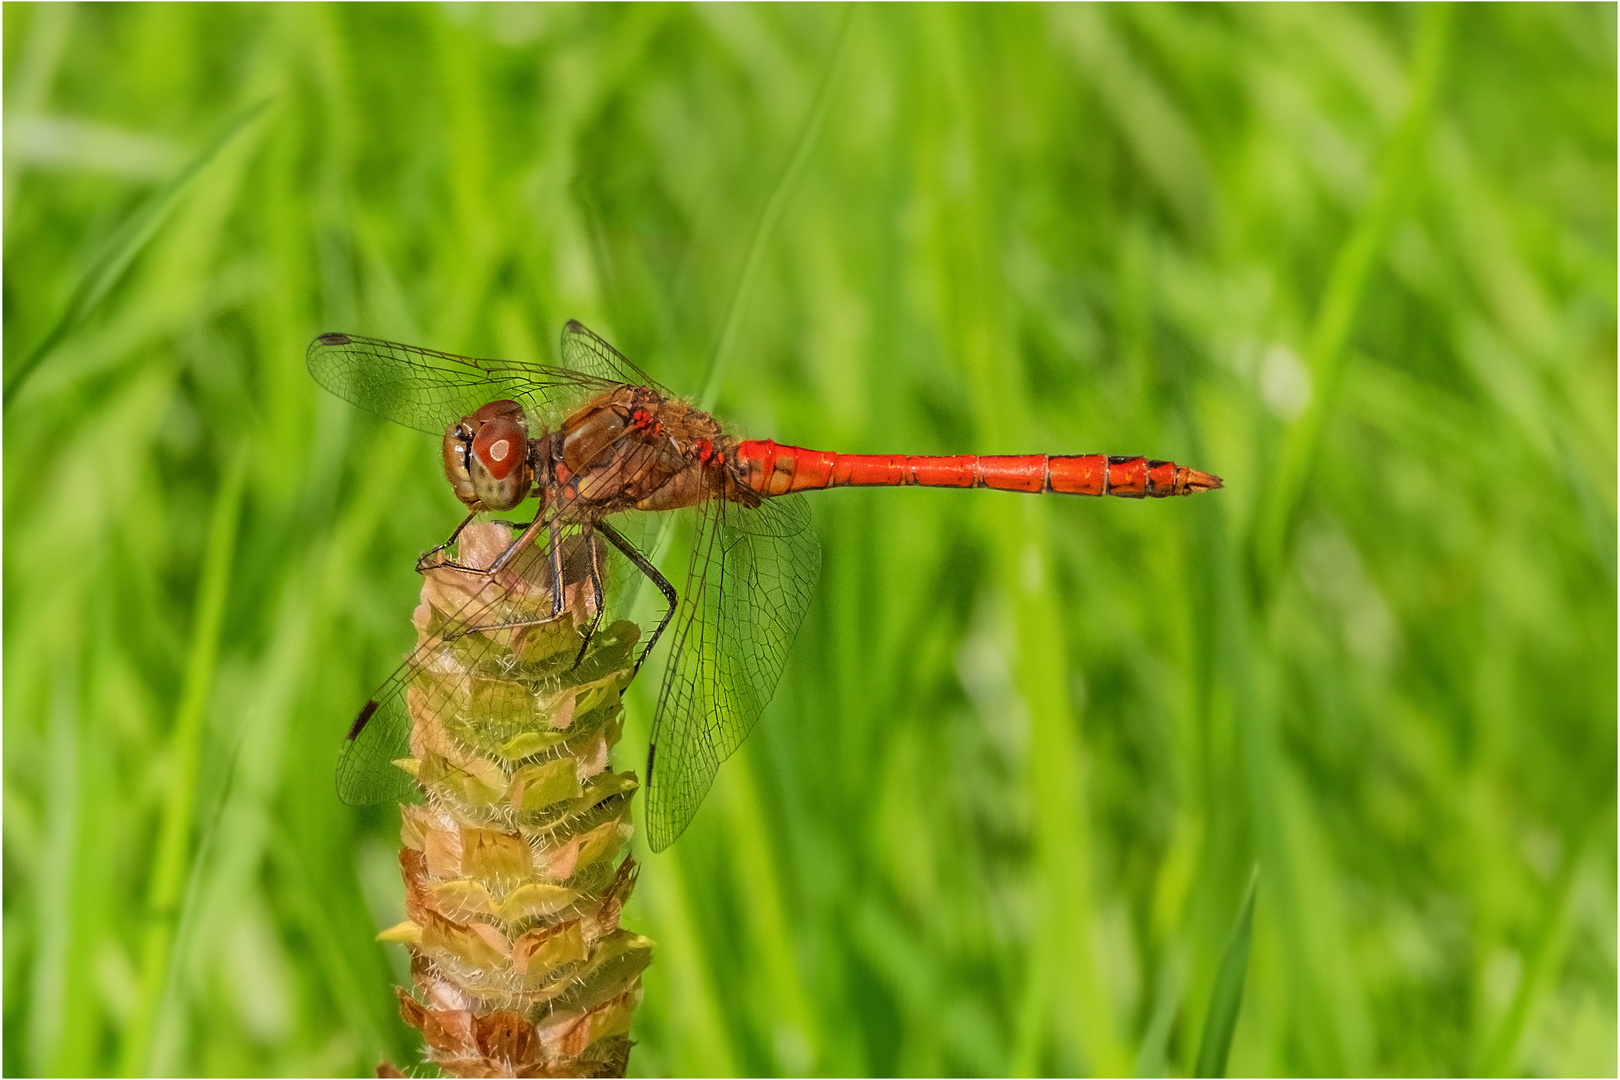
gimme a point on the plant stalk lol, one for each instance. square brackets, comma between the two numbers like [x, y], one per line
[514, 865]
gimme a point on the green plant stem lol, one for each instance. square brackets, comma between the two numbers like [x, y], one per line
[1347, 286]
[771, 215]
[1226, 996]
[172, 863]
[127, 241]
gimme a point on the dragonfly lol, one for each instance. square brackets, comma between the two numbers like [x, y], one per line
[596, 439]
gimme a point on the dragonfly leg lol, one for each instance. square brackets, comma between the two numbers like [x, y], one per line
[558, 590]
[426, 562]
[554, 556]
[597, 598]
[517, 546]
[651, 573]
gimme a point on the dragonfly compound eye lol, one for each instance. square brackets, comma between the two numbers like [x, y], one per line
[499, 467]
[457, 457]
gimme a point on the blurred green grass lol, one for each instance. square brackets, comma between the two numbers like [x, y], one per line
[1359, 261]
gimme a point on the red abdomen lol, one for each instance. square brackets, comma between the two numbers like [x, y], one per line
[772, 469]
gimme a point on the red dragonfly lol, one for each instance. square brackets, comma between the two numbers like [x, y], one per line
[597, 437]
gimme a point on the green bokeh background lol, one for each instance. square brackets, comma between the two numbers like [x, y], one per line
[1000, 816]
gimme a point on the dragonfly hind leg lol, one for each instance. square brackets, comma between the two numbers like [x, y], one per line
[651, 573]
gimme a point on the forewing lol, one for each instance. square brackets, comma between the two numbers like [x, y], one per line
[380, 736]
[431, 390]
[753, 570]
[584, 352]
[472, 623]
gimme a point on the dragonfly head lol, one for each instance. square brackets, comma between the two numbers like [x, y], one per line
[486, 457]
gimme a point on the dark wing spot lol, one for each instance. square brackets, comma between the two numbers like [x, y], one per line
[359, 724]
[333, 338]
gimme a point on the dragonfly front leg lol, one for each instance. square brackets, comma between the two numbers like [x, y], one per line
[426, 562]
[651, 573]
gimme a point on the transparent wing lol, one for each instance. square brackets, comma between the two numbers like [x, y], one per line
[472, 625]
[431, 390]
[379, 736]
[584, 352]
[753, 570]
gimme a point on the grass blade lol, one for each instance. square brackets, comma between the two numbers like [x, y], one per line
[127, 241]
[1347, 287]
[1226, 999]
[771, 214]
[172, 861]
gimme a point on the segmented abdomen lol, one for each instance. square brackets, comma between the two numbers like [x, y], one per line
[773, 469]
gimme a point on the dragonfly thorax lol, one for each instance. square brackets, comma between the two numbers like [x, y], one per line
[487, 457]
